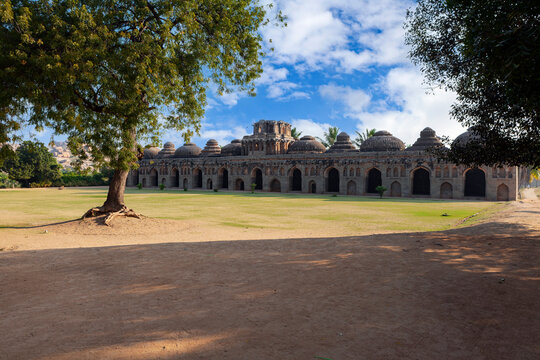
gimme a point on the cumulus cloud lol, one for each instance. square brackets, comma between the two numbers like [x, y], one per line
[223, 136]
[310, 127]
[356, 100]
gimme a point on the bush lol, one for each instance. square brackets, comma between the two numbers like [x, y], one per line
[77, 179]
[185, 189]
[253, 186]
[6, 182]
[380, 189]
[139, 186]
[215, 190]
[161, 186]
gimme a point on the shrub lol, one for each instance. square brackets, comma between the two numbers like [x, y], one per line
[139, 186]
[185, 189]
[253, 186]
[161, 186]
[6, 182]
[215, 190]
[380, 189]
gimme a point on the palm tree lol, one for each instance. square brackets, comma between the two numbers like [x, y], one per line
[295, 133]
[363, 136]
[329, 136]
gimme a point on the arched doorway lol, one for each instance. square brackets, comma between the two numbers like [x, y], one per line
[164, 181]
[144, 182]
[447, 191]
[176, 178]
[185, 183]
[275, 186]
[224, 178]
[503, 193]
[296, 181]
[256, 178]
[153, 177]
[395, 189]
[312, 187]
[239, 185]
[333, 180]
[421, 183]
[374, 179]
[197, 178]
[351, 188]
[209, 184]
[475, 183]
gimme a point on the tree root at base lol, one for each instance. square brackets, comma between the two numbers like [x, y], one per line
[111, 214]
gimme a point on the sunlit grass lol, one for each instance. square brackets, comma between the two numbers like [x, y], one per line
[289, 212]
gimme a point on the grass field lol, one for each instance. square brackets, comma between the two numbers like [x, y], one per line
[341, 215]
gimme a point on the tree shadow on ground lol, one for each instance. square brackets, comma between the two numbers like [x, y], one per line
[470, 293]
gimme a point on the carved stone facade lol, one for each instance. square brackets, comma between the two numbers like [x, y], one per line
[264, 159]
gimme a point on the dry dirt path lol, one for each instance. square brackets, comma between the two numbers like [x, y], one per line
[471, 293]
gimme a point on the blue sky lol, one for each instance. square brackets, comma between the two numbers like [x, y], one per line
[340, 63]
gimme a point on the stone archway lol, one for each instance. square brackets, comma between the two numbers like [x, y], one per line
[395, 189]
[374, 179]
[312, 187]
[176, 178]
[224, 178]
[239, 185]
[209, 184]
[351, 188]
[257, 178]
[296, 180]
[275, 186]
[197, 178]
[153, 177]
[185, 183]
[421, 182]
[503, 193]
[475, 183]
[333, 180]
[447, 191]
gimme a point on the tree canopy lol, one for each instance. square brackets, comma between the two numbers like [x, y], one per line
[361, 137]
[329, 136]
[109, 73]
[488, 53]
[33, 165]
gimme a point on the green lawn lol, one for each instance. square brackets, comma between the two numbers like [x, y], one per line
[342, 215]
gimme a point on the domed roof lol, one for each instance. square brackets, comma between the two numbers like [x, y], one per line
[382, 141]
[167, 151]
[428, 139]
[465, 138]
[188, 150]
[211, 148]
[306, 144]
[232, 149]
[150, 153]
[342, 144]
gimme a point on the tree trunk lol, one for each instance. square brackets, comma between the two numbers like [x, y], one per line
[115, 196]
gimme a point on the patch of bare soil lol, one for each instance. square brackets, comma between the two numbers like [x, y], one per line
[470, 293]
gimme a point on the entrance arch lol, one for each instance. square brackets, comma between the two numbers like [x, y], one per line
[209, 184]
[447, 191]
[374, 179]
[153, 177]
[333, 180]
[239, 185]
[475, 183]
[185, 183]
[351, 188]
[275, 186]
[176, 178]
[224, 178]
[395, 189]
[503, 193]
[312, 187]
[256, 178]
[296, 180]
[421, 182]
[197, 178]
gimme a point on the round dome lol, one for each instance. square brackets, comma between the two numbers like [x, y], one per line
[232, 149]
[151, 152]
[187, 150]
[465, 138]
[167, 151]
[307, 144]
[382, 141]
[428, 139]
[211, 148]
[342, 144]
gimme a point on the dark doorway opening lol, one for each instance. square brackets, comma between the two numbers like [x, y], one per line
[421, 183]
[275, 186]
[239, 185]
[313, 187]
[153, 178]
[296, 180]
[224, 179]
[176, 179]
[257, 179]
[333, 180]
[475, 183]
[197, 174]
[374, 180]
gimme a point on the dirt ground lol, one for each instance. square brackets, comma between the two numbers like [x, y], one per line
[469, 293]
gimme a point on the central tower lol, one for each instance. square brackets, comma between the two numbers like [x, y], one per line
[269, 137]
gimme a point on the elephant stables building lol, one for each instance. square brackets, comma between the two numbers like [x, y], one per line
[273, 161]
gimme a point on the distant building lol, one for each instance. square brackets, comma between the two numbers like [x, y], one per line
[273, 161]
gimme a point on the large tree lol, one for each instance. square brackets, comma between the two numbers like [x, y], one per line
[108, 73]
[487, 51]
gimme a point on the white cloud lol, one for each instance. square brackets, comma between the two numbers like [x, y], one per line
[356, 100]
[223, 136]
[406, 108]
[310, 127]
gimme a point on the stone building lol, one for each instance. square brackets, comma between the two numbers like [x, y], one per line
[273, 161]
